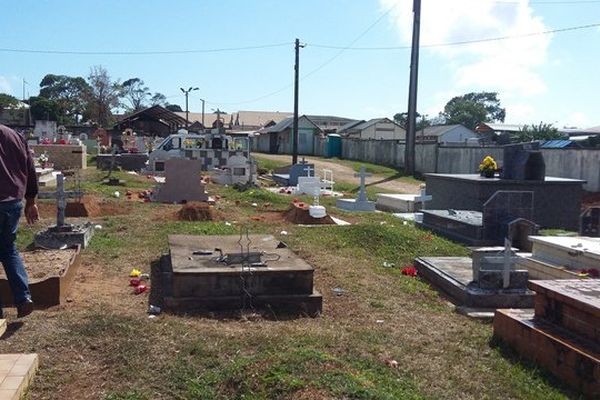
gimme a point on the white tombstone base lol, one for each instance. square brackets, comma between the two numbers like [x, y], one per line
[355, 205]
[317, 211]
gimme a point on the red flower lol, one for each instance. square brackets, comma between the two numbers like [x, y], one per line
[428, 237]
[409, 271]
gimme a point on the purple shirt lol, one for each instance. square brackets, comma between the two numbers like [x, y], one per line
[17, 172]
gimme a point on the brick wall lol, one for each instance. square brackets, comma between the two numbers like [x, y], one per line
[63, 156]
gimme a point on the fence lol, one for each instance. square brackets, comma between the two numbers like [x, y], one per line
[431, 157]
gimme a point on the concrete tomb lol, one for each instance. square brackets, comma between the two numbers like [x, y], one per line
[182, 183]
[239, 170]
[489, 280]
[402, 203]
[237, 272]
[63, 235]
[361, 203]
[561, 257]
[46, 177]
[557, 201]
[562, 335]
[288, 176]
[590, 222]
[486, 228]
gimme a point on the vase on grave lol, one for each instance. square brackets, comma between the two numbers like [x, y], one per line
[488, 173]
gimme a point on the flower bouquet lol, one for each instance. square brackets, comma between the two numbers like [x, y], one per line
[488, 167]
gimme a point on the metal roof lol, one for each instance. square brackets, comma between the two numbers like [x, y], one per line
[556, 144]
[155, 112]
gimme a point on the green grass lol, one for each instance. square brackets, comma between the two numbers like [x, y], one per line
[269, 165]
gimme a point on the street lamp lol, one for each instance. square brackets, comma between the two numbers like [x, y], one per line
[203, 126]
[187, 113]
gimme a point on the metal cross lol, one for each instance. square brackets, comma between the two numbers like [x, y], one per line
[61, 198]
[362, 194]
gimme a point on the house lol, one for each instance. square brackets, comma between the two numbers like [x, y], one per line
[499, 133]
[446, 134]
[277, 139]
[17, 116]
[329, 123]
[152, 121]
[373, 129]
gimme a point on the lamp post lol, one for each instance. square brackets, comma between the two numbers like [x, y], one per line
[203, 127]
[187, 113]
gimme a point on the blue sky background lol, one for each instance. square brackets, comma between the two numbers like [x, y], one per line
[553, 78]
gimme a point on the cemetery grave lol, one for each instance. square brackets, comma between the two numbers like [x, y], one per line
[104, 345]
[361, 203]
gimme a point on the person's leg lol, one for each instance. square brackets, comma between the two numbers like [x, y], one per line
[9, 256]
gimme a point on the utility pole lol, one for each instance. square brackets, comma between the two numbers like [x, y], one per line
[24, 83]
[187, 112]
[203, 127]
[296, 79]
[409, 150]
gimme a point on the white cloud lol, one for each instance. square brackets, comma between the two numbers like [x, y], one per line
[5, 85]
[521, 113]
[577, 119]
[505, 65]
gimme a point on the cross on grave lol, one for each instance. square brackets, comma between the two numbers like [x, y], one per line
[422, 197]
[308, 170]
[61, 198]
[362, 193]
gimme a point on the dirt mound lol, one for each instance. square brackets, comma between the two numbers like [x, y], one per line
[87, 207]
[298, 214]
[196, 211]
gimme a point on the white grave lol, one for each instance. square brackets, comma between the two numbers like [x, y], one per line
[402, 203]
[361, 203]
[561, 257]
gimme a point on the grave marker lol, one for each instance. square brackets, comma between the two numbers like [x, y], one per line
[590, 222]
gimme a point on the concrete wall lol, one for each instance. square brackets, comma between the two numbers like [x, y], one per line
[63, 156]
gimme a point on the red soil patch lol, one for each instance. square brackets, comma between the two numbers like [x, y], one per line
[197, 211]
[298, 214]
[87, 207]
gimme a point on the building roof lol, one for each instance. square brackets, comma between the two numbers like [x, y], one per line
[287, 123]
[489, 126]
[438, 130]
[157, 113]
[250, 119]
[593, 130]
[349, 125]
[329, 121]
[361, 125]
[556, 144]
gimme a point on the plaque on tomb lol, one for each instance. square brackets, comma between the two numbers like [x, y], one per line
[182, 182]
[590, 222]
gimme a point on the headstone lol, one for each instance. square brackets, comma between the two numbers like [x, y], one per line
[361, 203]
[590, 222]
[183, 182]
[403, 203]
[523, 161]
[63, 235]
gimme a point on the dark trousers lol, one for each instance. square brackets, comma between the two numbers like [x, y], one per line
[10, 212]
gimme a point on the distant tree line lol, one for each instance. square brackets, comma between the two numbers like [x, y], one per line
[476, 107]
[93, 100]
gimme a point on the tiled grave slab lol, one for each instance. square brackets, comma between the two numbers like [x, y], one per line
[573, 359]
[16, 372]
[454, 276]
[573, 304]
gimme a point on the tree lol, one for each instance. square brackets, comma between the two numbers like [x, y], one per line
[7, 101]
[158, 99]
[69, 93]
[136, 93]
[473, 108]
[173, 107]
[423, 121]
[542, 131]
[42, 108]
[103, 96]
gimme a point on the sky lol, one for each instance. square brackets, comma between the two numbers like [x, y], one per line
[551, 77]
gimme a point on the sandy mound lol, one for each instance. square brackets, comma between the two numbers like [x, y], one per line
[298, 214]
[196, 211]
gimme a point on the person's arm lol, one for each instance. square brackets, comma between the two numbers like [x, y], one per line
[31, 191]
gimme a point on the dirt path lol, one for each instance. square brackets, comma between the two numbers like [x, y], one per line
[344, 173]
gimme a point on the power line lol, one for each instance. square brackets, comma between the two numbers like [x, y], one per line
[144, 53]
[321, 66]
[463, 42]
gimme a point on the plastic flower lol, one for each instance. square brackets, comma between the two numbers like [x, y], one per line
[488, 163]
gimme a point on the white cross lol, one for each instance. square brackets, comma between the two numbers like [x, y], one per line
[362, 194]
[308, 170]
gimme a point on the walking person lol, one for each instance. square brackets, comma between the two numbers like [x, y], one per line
[17, 182]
